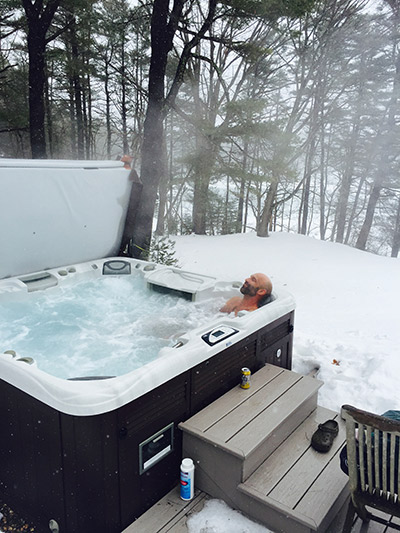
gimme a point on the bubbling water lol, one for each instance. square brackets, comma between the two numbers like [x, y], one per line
[103, 327]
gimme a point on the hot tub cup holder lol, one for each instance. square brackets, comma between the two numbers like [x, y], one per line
[27, 360]
[11, 352]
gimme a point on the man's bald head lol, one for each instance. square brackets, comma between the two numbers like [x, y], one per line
[257, 284]
[264, 282]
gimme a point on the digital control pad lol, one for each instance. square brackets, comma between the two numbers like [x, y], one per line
[218, 334]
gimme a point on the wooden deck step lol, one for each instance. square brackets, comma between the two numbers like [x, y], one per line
[169, 515]
[248, 424]
[231, 437]
[297, 489]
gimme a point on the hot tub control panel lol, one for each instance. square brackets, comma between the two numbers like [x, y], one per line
[218, 334]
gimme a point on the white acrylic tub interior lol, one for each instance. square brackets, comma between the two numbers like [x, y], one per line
[178, 354]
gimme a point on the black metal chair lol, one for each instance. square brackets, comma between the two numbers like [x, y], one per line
[373, 454]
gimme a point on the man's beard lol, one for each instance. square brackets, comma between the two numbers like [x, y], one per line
[248, 290]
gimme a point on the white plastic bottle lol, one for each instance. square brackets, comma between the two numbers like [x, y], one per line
[187, 479]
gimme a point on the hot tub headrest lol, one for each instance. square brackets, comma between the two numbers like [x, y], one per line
[267, 299]
[116, 267]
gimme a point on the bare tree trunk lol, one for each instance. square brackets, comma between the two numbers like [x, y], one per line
[305, 200]
[90, 138]
[49, 118]
[39, 18]
[369, 216]
[246, 210]
[239, 216]
[322, 189]
[266, 215]
[72, 117]
[204, 163]
[225, 221]
[125, 144]
[341, 215]
[353, 212]
[134, 202]
[108, 110]
[152, 148]
[206, 147]
[162, 195]
[36, 52]
[77, 89]
[396, 233]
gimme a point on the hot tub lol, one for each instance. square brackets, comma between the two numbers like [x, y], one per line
[93, 452]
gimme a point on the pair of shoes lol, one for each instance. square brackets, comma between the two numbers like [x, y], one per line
[322, 439]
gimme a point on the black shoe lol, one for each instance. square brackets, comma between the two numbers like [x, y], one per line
[322, 439]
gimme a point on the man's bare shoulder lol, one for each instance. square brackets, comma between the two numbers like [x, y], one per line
[231, 304]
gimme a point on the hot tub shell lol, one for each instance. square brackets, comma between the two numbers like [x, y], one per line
[95, 454]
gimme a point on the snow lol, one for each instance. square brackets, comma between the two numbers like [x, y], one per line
[346, 323]
[217, 517]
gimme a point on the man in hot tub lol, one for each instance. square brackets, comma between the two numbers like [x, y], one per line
[255, 290]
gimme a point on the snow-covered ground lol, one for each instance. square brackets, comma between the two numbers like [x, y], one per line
[347, 322]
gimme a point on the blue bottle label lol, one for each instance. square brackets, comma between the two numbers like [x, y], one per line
[186, 486]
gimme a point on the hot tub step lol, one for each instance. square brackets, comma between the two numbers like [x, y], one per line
[232, 437]
[298, 489]
[169, 515]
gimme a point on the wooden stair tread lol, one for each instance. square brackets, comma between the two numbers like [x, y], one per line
[239, 418]
[168, 515]
[274, 416]
[266, 477]
[206, 418]
[327, 487]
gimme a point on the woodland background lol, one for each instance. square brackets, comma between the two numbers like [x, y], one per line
[240, 115]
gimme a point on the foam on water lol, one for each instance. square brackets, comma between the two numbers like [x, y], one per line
[103, 327]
